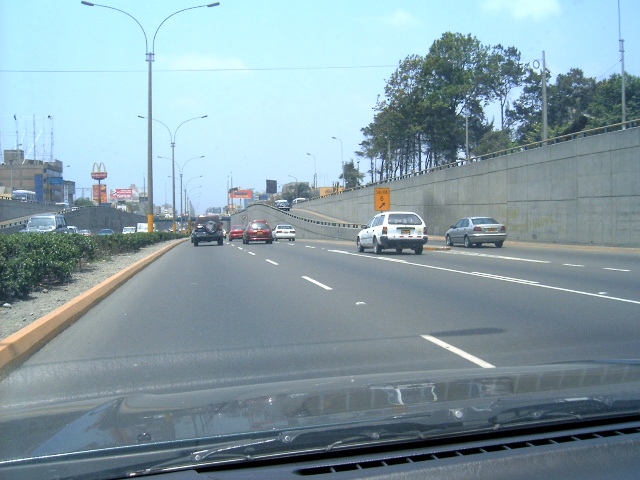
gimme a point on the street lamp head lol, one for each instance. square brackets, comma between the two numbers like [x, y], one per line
[215, 4]
[88, 4]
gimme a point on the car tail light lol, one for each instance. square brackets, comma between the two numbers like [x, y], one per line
[503, 229]
[477, 229]
[384, 230]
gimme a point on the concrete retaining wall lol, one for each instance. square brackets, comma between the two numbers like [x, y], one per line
[584, 191]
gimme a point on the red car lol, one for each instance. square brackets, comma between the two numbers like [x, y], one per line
[257, 231]
[236, 232]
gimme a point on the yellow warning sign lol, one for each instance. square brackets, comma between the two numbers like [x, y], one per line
[382, 199]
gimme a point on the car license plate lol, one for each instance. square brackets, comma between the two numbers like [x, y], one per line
[492, 229]
[405, 231]
[259, 232]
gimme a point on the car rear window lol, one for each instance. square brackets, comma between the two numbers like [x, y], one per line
[483, 221]
[259, 226]
[284, 227]
[404, 219]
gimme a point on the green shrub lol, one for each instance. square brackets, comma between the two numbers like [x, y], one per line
[30, 259]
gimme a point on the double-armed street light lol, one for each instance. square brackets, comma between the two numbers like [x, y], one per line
[149, 58]
[173, 157]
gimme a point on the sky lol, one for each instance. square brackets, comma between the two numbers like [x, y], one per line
[276, 79]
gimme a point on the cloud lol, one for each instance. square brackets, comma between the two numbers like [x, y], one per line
[202, 62]
[523, 9]
[399, 18]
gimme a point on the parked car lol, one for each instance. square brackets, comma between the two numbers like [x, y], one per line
[284, 232]
[397, 230]
[283, 205]
[257, 231]
[72, 229]
[475, 231]
[129, 230]
[106, 231]
[208, 228]
[47, 223]
[86, 232]
[236, 232]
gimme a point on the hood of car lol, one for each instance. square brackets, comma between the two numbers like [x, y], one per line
[438, 400]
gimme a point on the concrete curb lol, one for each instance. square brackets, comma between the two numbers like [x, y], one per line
[32, 337]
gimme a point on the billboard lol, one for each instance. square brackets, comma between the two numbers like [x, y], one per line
[100, 193]
[272, 186]
[121, 193]
[242, 194]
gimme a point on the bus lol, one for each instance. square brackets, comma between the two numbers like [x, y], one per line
[24, 195]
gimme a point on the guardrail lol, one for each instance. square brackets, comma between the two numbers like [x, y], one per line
[499, 153]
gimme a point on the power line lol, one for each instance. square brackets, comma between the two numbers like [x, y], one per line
[355, 67]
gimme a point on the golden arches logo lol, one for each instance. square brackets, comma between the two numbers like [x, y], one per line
[99, 171]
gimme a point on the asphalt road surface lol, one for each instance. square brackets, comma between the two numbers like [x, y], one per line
[217, 316]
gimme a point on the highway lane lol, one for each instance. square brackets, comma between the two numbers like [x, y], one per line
[217, 316]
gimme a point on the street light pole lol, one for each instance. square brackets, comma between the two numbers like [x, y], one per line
[297, 188]
[173, 159]
[341, 160]
[150, 57]
[315, 172]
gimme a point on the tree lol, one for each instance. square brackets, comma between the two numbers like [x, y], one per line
[606, 107]
[83, 202]
[351, 175]
[506, 71]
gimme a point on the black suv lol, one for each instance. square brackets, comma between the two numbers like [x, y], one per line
[208, 228]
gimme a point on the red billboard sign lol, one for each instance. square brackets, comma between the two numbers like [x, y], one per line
[121, 193]
[242, 194]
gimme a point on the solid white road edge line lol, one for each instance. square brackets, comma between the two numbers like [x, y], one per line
[457, 351]
[504, 279]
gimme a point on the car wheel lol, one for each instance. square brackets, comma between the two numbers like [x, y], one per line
[269, 242]
[377, 249]
[398, 250]
[448, 241]
[467, 242]
[230, 239]
[359, 245]
[195, 244]
[499, 244]
[418, 249]
[220, 242]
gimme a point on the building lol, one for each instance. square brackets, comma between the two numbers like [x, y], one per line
[44, 178]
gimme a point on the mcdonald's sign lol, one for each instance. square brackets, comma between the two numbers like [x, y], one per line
[99, 171]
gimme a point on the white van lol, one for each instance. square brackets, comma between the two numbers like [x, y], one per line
[299, 200]
[142, 227]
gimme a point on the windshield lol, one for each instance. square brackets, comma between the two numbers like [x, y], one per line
[460, 182]
[42, 222]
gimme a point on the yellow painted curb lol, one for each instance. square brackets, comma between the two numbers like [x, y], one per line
[32, 337]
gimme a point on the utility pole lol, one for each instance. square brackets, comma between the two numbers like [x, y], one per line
[624, 107]
[545, 128]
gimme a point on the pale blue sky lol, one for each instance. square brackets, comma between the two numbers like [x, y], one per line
[277, 78]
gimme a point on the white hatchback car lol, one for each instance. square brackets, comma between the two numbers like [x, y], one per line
[397, 230]
[284, 232]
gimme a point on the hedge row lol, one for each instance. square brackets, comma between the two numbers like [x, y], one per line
[28, 260]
